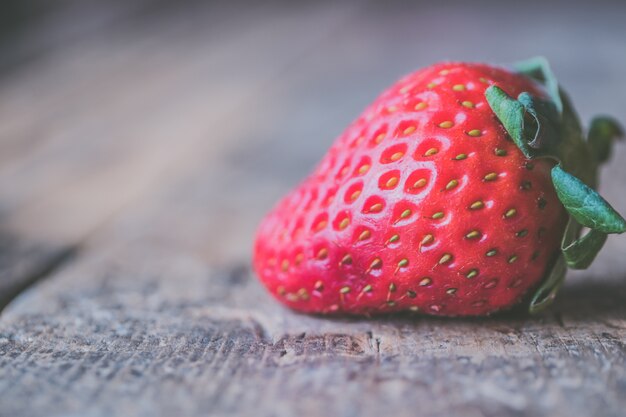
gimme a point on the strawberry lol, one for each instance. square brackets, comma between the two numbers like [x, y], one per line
[443, 197]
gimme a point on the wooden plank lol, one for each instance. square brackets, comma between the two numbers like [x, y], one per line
[158, 313]
[162, 332]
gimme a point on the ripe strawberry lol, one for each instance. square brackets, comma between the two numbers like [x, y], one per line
[423, 203]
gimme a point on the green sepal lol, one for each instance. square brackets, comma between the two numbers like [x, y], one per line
[602, 132]
[539, 69]
[585, 205]
[579, 253]
[531, 123]
[550, 128]
[511, 115]
[542, 125]
[546, 293]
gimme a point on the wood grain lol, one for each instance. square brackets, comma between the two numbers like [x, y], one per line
[138, 162]
[163, 333]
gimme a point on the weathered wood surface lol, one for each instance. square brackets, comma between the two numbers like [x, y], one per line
[202, 118]
[147, 330]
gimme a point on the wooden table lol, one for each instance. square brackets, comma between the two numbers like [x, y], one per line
[140, 145]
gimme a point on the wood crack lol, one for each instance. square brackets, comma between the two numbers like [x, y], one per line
[41, 263]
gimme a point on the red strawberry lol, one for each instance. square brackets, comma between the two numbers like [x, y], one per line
[423, 203]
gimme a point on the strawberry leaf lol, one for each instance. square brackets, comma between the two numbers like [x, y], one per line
[603, 131]
[532, 123]
[580, 253]
[541, 124]
[539, 69]
[546, 293]
[585, 204]
[511, 115]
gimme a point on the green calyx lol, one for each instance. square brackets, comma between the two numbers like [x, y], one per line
[549, 128]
